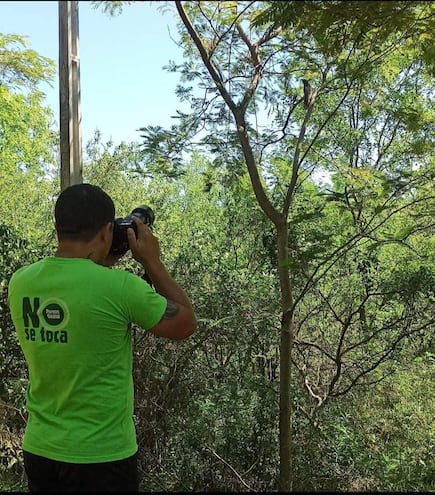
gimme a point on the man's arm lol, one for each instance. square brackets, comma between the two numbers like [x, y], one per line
[179, 321]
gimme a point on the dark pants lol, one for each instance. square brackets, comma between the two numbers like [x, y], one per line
[46, 475]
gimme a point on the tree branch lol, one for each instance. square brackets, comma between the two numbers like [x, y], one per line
[231, 467]
[239, 115]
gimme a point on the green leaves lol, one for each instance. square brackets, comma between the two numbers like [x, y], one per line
[21, 66]
[112, 8]
[338, 27]
[27, 144]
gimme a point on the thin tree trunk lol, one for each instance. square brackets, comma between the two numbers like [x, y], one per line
[285, 395]
[278, 219]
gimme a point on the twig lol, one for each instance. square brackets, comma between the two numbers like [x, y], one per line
[4, 404]
[231, 467]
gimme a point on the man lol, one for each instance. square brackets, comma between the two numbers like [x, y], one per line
[73, 316]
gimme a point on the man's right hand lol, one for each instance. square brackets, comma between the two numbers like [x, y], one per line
[145, 248]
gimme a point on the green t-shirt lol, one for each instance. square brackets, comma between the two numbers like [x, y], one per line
[73, 320]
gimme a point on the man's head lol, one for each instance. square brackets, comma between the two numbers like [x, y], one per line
[80, 212]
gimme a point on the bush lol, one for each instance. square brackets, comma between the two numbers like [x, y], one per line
[14, 253]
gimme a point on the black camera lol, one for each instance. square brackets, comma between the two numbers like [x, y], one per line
[120, 241]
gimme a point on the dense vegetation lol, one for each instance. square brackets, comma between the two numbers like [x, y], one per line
[345, 179]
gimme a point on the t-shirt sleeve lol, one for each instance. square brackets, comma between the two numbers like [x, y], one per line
[143, 305]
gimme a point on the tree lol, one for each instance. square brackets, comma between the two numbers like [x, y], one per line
[27, 144]
[250, 70]
[14, 253]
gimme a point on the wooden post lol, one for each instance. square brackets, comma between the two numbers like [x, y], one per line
[69, 95]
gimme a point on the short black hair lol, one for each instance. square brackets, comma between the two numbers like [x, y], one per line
[80, 212]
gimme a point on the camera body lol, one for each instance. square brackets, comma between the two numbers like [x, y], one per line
[120, 241]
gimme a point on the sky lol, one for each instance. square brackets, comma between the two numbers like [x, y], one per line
[122, 80]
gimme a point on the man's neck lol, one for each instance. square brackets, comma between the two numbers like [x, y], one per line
[69, 249]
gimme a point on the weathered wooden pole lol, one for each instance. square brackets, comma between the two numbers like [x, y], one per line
[69, 95]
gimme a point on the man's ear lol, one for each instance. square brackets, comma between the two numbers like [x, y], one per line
[109, 228]
[106, 232]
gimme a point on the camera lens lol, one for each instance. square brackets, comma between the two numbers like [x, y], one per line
[145, 214]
